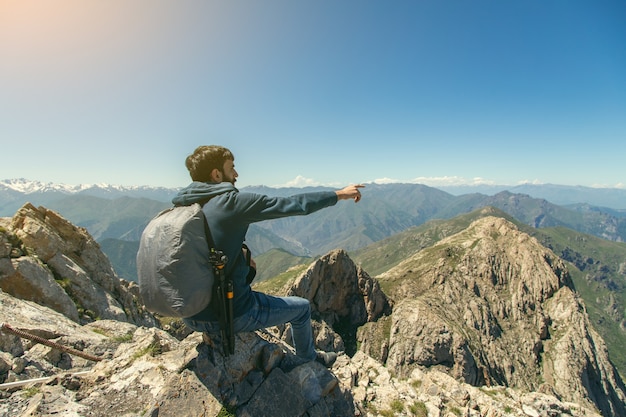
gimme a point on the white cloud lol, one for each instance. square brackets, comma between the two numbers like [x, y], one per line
[453, 180]
[385, 181]
[531, 182]
[438, 181]
[445, 181]
[619, 185]
[299, 182]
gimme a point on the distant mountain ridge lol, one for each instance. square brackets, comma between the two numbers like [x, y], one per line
[15, 192]
[614, 198]
[112, 212]
[25, 186]
[119, 214]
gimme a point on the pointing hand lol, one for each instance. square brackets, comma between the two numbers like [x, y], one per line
[350, 192]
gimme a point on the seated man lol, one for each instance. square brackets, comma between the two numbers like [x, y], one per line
[229, 214]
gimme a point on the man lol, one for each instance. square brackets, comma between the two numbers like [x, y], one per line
[229, 214]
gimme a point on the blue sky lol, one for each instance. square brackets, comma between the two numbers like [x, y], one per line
[315, 92]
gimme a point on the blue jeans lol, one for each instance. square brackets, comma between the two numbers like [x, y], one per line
[271, 311]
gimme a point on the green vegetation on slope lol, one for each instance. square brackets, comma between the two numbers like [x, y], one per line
[275, 262]
[385, 254]
[275, 284]
[597, 267]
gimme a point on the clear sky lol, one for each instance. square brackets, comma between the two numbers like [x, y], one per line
[325, 92]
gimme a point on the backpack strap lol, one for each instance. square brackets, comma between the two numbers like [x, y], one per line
[209, 236]
[223, 290]
[251, 269]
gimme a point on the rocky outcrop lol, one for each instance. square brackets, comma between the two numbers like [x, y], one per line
[334, 293]
[145, 371]
[343, 297]
[493, 307]
[48, 260]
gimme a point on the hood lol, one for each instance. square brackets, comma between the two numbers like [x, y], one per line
[201, 192]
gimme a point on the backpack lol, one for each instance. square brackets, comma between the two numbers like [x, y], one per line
[175, 274]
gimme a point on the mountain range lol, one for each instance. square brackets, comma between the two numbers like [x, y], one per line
[121, 212]
[12, 190]
[115, 215]
[587, 235]
[116, 212]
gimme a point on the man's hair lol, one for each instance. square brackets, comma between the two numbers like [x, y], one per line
[205, 159]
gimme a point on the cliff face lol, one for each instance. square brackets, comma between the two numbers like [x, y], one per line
[485, 322]
[48, 260]
[491, 306]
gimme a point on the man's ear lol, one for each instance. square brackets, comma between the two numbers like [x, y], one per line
[216, 175]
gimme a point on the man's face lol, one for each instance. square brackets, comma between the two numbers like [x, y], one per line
[229, 174]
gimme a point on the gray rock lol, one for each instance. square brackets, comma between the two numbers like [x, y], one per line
[66, 270]
[27, 278]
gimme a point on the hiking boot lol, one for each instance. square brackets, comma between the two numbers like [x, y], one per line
[326, 358]
[290, 362]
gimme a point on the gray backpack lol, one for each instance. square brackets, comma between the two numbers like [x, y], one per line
[175, 274]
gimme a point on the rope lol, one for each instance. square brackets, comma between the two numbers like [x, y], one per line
[8, 385]
[269, 337]
[6, 328]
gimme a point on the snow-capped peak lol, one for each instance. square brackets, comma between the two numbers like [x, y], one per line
[25, 186]
[22, 185]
